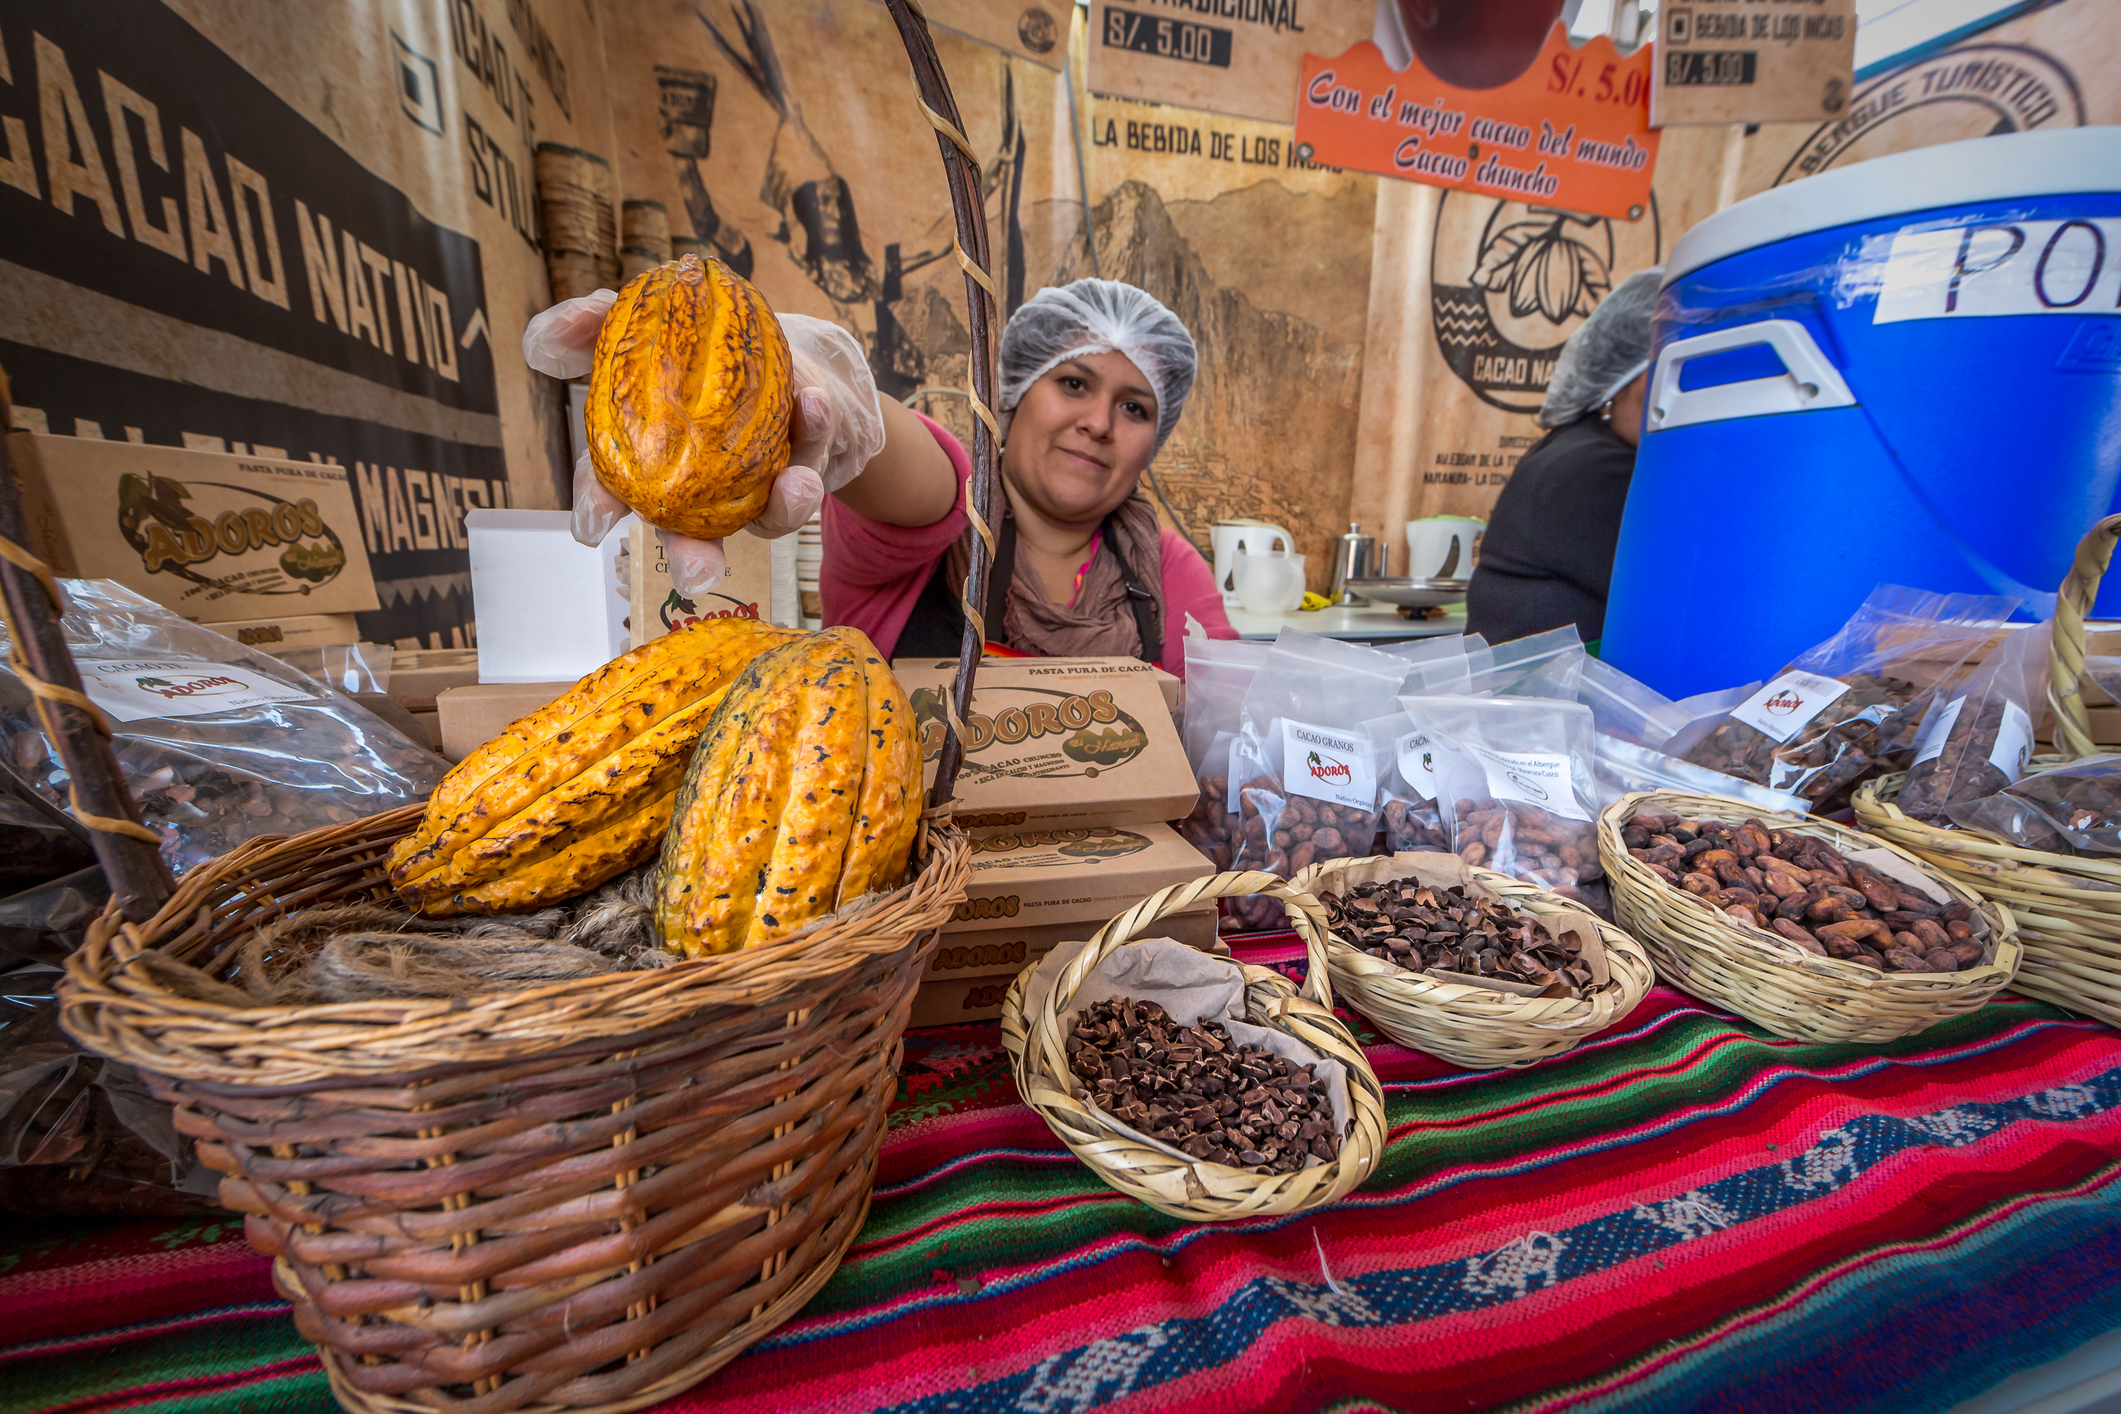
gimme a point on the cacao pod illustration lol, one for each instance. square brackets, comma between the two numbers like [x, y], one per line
[581, 790]
[690, 398]
[804, 794]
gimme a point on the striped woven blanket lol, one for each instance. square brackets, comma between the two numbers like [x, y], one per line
[1685, 1214]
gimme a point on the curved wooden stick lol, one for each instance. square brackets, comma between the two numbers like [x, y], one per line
[961, 168]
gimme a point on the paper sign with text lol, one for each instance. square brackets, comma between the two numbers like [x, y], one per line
[1720, 61]
[1571, 132]
[1240, 57]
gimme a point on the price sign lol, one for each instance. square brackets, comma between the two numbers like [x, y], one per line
[1572, 131]
[1239, 57]
[1722, 62]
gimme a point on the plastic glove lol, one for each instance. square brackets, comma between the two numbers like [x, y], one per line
[841, 427]
[562, 341]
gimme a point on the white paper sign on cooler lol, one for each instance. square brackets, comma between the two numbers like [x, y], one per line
[2000, 268]
[1325, 763]
[1781, 709]
[1541, 778]
[1417, 763]
[1936, 730]
[178, 687]
[2013, 750]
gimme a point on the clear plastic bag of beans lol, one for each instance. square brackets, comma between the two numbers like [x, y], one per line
[218, 744]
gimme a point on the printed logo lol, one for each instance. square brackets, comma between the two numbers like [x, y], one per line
[1510, 282]
[157, 518]
[1783, 703]
[1326, 768]
[1098, 733]
[190, 687]
[1527, 785]
[1037, 31]
[679, 612]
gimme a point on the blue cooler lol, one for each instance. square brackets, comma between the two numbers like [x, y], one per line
[1907, 371]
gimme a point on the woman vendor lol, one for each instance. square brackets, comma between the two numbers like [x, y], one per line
[1094, 376]
[1547, 556]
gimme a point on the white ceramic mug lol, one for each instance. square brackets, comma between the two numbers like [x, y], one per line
[1269, 584]
[1229, 538]
[1443, 547]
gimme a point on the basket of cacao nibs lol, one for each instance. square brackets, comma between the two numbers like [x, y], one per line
[2041, 835]
[1205, 1088]
[1812, 930]
[1469, 965]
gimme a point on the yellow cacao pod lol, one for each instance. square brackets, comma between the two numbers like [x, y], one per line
[690, 398]
[805, 794]
[581, 790]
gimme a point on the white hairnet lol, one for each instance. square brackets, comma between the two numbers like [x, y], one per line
[1610, 347]
[1093, 317]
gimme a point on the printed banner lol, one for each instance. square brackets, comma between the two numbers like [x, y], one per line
[1572, 131]
[1723, 61]
[1243, 58]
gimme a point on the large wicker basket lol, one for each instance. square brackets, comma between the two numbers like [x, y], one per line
[586, 1196]
[1200, 1191]
[1769, 980]
[2068, 906]
[1476, 1027]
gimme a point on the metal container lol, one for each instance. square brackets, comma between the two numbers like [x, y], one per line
[1354, 557]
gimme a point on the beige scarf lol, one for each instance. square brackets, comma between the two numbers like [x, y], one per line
[1100, 623]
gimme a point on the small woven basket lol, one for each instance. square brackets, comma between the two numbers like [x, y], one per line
[1200, 1192]
[584, 1196]
[2068, 906]
[1764, 977]
[1477, 1027]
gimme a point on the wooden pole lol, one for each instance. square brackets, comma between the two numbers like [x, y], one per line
[132, 858]
[961, 168]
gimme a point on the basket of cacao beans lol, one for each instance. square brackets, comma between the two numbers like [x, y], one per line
[1814, 931]
[1205, 1088]
[1469, 965]
[2038, 843]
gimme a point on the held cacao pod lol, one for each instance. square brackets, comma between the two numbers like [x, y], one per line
[690, 398]
[804, 795]
[581, 790]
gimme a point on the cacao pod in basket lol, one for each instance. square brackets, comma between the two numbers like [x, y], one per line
[690, 398]
[581, 790]
[804, 794]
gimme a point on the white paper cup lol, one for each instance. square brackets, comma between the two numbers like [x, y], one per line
[1443, 547]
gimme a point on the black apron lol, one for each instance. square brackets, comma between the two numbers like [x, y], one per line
[936, 627]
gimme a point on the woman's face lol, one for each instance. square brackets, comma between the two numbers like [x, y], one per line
[1081, 437]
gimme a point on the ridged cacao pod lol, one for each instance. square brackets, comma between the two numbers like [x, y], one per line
[690, 398]
[805, 794]
[581, 790]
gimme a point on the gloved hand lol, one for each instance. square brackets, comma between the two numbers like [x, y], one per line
[838, 427]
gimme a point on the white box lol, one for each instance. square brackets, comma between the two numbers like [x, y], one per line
[548, 609]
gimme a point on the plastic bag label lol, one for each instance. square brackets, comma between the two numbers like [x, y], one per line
[2013, 750]
[1782, 709]
[1417, 763]
[1328, 765]
[1937, 732]
[139, 688]
[1541, 778]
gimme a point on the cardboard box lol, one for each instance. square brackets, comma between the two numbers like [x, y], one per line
[302, 631]
[1057, 743]
[548, 607]
[417, 678]
[472, 716]
[654, 605]
[956, 1000]
[1035, 878]
[986, 952]
[218, 538]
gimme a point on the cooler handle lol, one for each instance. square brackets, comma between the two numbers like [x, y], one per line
[1809, 383]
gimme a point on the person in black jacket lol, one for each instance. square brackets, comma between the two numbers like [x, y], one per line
[1546, 558]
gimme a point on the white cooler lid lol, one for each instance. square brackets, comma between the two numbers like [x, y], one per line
[2043, 163]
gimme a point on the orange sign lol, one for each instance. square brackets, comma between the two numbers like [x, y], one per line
[1572, 131]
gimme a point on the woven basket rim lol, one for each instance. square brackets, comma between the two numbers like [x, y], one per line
[1490, 1005]
[1214, 1192]
[1746, 946]
[118, 1009]
[1877, 804]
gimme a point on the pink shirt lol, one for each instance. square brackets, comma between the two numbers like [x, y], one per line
[873, 572]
